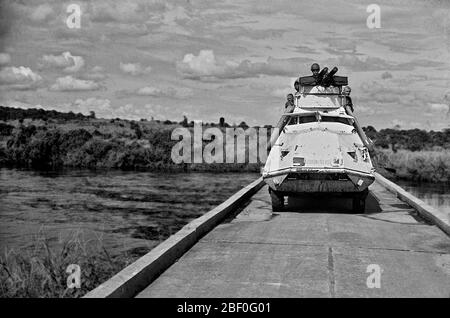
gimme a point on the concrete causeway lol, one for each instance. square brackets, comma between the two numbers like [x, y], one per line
[316, 248]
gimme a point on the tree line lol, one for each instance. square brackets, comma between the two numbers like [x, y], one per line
[395, 139]
[411, 139]
[12, 113]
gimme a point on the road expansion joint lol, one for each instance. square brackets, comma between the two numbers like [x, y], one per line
[331, 278]
[329, 245]
[416, 223]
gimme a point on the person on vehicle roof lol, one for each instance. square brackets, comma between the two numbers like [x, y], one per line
[289, 106]
[315, 69]
[348, 100]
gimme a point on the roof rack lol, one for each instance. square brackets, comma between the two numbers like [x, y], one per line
[311, 81]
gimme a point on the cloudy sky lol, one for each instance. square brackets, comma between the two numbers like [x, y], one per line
[231, 58]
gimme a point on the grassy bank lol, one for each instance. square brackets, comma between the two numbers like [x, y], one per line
[428, 166]
[40, 271]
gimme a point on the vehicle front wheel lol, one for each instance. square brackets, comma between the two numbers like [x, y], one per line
[277, 201]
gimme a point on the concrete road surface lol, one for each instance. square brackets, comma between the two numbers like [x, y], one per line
[317, 248]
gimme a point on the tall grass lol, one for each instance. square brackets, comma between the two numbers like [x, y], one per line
[40, 271]
[430, 166]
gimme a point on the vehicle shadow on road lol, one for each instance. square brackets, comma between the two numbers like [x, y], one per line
[321, 203]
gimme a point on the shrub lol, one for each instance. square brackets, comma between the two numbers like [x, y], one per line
[5, 129]
[43, 150]
[75, 138]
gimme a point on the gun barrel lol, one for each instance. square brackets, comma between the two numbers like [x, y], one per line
[328, 79]
[321, 75]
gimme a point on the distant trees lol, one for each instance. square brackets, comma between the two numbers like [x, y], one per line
[243, 125]
[11, 113]
[412, 139]
[184, 122]
[222, 122]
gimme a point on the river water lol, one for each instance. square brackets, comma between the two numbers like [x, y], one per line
[126, 211]
[435, 194]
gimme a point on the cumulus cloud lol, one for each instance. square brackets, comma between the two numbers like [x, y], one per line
[398, 124]
[134, 69]
[114, 12]
[21, 78]
[41, 12]
[104, 109]
[282, 92]
[95, 74]
[439, 108]
[170, 92]
[67, 61]
[174, 14]
[205, 66]
[371, 110]
[360, 64]
[101, 106]
[5, 58]
[374, 91]
[136, 112]
[125, 11]
[69, 83]
[97, 69]
[18, 103]
[162, 112]
[377, 98]
[202, 65]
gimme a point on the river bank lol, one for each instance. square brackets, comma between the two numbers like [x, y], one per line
[103, 144]
[415, 166]
[100, 220]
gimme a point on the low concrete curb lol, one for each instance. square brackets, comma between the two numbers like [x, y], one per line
[426, 211]
[138, 275]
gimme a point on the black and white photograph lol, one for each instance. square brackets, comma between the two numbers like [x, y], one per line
[224, 156]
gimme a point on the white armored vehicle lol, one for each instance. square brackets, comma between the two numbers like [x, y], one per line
[320, 147]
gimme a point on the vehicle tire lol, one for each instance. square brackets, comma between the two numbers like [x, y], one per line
[277, 201]
[359, 201]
